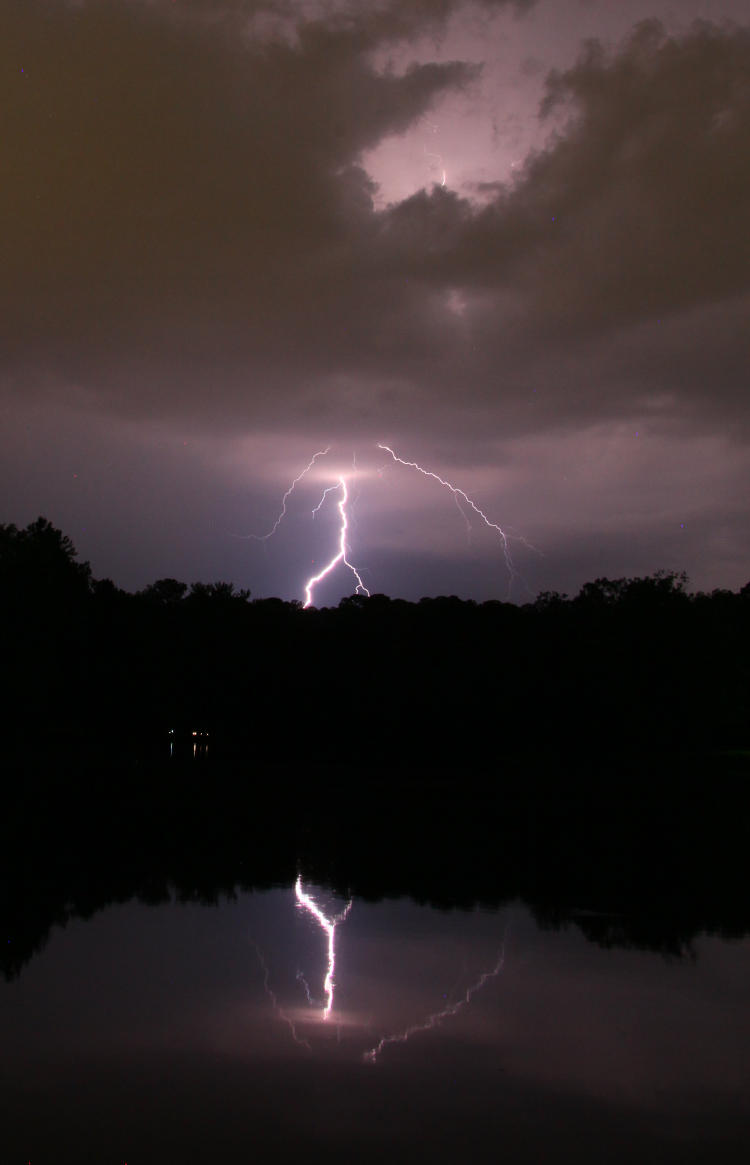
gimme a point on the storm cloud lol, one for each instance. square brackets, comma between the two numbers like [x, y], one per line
[192, 237]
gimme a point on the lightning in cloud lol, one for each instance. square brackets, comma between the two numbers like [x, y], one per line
[459, 496]
[342, 551]
[437, 1017]
[329, 927]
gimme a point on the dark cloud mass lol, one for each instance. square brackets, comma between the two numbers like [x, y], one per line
[191, 238]
[631, 216]
[646, 179]
[164, 176]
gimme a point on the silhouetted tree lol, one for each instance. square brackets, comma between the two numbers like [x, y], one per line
[39, 563]
[166, 591]
[628, 662]
[217, 593]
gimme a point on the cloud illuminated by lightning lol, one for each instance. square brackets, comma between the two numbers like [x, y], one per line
[437, 1017]
[341, 556]
[329, 927]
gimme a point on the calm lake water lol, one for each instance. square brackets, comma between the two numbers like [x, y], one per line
[290, 1023]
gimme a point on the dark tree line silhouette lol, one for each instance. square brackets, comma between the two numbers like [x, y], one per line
[586, 752]
[626, 664]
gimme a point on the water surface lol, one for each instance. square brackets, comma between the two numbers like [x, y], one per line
[263, 1025]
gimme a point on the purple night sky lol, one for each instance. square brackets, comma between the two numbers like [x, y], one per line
[508, 239]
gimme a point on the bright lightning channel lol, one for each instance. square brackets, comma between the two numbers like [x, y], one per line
[329, 927]
[463, 502]
[341, 556]
[437, 1017]
[459, 496]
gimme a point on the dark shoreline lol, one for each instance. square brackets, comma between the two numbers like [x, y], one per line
[583, 754]
[641, 855]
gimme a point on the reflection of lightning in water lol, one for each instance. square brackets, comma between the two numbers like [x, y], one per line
[275, 1003]
[341, 556]
[459, 494]
[306, 988]
[329, 926]
[437, 1017]
[287, 495]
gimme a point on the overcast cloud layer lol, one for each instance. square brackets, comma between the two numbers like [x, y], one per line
[202, 284]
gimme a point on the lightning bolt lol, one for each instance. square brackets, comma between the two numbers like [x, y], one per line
[341, 556]
[459, 496]
[329, 927]
[287, 495]
[345, 505]
[329, 489]
[437, 1017]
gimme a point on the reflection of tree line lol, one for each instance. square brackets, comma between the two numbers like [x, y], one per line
[625, 664]
[626, 864]
[453, 751]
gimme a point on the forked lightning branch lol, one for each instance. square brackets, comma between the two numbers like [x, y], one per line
[338, 489]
